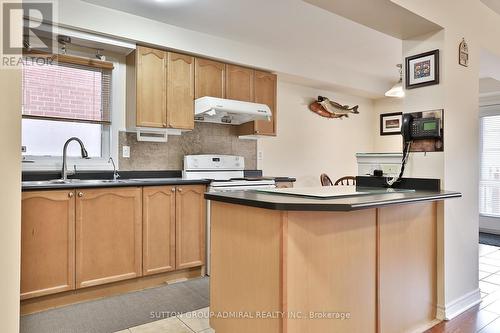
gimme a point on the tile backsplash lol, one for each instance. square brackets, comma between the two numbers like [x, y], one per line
[206, 138]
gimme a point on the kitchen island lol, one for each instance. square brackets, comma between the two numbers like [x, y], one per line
[359, 262]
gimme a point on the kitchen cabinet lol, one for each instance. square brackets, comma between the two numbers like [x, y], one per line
[160, 89]
[180, 91]
[158, 229]
[151, 87]
[173, 228]
[108, 235]
[190, 215]
[209, 78]
[239, 83]
[264, 93]
[47, 243]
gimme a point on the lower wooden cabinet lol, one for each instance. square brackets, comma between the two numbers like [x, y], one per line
[47, 243]
[108, 235]
[87, 237]
[174, 228]
[190, 223]
[158, 225]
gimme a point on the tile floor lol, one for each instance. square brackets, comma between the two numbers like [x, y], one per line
[195, 321]
[489, 284]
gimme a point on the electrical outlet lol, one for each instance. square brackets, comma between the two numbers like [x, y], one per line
[390, 169]
[126, 151]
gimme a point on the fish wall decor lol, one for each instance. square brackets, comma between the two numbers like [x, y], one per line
[330, 109]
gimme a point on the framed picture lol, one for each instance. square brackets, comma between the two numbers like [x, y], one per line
[390, 123]
[422, 70]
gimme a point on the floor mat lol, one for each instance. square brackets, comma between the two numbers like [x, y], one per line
[489, 239]
[116, 313]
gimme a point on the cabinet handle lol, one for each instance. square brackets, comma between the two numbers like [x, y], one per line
[173, 189]
[71, 194]
[80, 194]
[180, 190]
[164, 124]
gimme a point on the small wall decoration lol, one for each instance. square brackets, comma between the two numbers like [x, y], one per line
[463, 53]
[390, 123]
[422, 70]
[330, 109]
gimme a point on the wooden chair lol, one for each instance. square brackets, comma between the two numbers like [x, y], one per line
[325, 180]
[346, 181]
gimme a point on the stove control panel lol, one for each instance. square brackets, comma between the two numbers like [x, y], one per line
[213, 162]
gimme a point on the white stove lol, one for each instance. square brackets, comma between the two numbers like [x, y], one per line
[227, 175]
[225, 171]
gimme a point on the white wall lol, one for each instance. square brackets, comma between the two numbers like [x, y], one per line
[308, 145]
[10, 194]
[458, 95]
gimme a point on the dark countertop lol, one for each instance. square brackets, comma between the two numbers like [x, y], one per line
[296, 203]
[37, 180]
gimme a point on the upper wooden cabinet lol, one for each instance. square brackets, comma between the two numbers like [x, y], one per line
[108, 235]
[151, 87]
[47, 243]
[158, 229]
[210, 78]
[160, 89]
[190, 226]
[265, 86]
[180, 91]
[239, 83]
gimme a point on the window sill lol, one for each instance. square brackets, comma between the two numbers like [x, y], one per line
[54, 163]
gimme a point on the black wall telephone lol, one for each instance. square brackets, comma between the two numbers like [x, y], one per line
[420, 128]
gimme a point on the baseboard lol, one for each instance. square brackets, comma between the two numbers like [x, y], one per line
[458, 306]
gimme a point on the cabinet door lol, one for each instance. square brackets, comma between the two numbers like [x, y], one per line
[158, 229]
[209, 78]
[265, 93]
[239, 83]
[151, 87]
[180, 91]
[47, 243]
[190, 226]
[108, 235]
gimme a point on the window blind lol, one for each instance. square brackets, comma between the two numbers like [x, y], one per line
[66, 91]
[489, 190]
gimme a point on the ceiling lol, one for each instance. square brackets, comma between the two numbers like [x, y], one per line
[382, 15]
[291, 26]
[493, 4]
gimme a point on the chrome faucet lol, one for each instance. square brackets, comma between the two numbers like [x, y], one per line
[116, 175]
[64, 171]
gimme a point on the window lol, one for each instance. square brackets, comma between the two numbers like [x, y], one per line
[489, 191]
[64, 99]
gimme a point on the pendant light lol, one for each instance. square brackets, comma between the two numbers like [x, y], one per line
[397, 89]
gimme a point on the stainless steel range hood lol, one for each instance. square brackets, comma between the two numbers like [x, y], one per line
[227, 111]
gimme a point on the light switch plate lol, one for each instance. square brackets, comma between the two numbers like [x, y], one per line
[260, 155]
[126, 151]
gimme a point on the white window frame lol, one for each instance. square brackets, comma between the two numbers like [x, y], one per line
[487, 222]
[54, 163]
